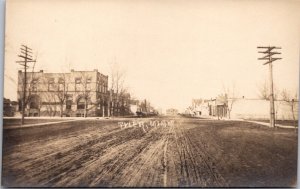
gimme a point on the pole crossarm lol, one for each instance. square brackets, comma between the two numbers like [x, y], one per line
[268, 47]
[25, 50]
[21, 61]
[272, 60]
[25, 57]
[269, 53]
[267, 57]
[26, 47]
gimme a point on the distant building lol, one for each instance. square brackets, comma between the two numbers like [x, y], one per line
[134, 106]
[77, 93]
[9, 107]
[242, 108]
[260, 109]
[159, 111]
[218, 106]
[171, 112]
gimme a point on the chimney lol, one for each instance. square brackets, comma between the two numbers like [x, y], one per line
[95, 70]
[20, 71]
[72, 70]
[42, 71]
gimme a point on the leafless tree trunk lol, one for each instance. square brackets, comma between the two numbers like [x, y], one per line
[264, 91]
[230, 98]
[50, 103]
[116, 86]
[264, 94]
[85, 93]
[32, 80]
[292, 100]
[62, 91]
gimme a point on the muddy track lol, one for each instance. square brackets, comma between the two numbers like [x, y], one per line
[76, 156]
[208, 159]
[189, 153]
[196, 165]
[35, 161]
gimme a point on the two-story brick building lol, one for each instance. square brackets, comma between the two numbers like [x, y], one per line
[77, 93]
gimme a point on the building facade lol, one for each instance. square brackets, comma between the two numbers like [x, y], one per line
[216, 107]
[9, 107]
[260, 109]
[73, 94]
[243, 108]
[171, 112]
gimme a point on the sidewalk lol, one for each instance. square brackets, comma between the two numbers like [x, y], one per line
[268, 124]
[37, 124]
[60, 120]
[257, 122]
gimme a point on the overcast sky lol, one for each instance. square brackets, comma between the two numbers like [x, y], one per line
[172, 50]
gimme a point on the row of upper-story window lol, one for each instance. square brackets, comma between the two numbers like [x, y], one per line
[80, 85]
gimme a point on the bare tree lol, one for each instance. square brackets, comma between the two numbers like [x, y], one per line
[124, 98]
[84, 82]
[32, 81]
[48, 97]
[292, 100]
[264, 94]
[230, 98]
[50, 103]
[264, 91]
[117, 76]
[62, 91]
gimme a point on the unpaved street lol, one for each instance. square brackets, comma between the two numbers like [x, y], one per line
[189, 152]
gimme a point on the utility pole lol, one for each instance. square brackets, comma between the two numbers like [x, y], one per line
[268, 57]
[26, 55]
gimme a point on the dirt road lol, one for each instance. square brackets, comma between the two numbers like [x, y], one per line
[186, 152]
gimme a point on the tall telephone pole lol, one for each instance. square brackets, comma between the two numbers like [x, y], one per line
[268, 57]
[26, 55]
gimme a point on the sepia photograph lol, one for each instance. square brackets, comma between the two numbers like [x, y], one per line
[147, 93]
